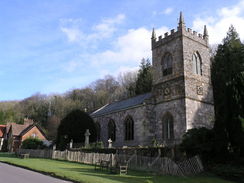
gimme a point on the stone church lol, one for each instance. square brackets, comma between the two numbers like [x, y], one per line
[181, 98]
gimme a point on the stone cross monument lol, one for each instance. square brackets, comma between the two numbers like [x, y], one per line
[87, 134]
[54, 147]
[110, 143]
[71, 144]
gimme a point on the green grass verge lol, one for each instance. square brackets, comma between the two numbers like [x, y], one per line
[86, 173]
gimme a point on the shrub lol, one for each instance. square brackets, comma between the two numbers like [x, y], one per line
[73, 127]
[32, 143]
[229, 171]
[198, 141]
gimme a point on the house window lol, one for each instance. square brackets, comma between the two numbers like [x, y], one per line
[33, 135]
[168, 127]
[129, 128]
[111, 130]
[197, 63]
[167, 64]
[98, 129]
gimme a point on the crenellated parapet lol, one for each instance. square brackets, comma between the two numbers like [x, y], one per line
[168, 36]
[194, 35]
[181, 31]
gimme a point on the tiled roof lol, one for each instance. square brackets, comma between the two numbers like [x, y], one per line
[2, 130]
[22, 129]
[18, 128]
[121, 105]
[30, 127]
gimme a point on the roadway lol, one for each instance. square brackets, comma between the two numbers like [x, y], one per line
[12, 174]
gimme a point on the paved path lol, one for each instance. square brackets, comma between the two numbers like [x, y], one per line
[12, 174]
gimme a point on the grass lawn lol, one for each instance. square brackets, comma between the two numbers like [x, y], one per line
[86, 173]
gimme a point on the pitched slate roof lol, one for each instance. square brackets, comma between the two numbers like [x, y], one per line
[2, 130]
[121, 105]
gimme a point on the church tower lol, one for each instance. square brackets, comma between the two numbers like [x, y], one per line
[182, 87]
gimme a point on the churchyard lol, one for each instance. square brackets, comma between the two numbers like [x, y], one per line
[84, 173]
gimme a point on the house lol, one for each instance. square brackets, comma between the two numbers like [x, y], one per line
[15, 134]
[2, 132]
[181, 96]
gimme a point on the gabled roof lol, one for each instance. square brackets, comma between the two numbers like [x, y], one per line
[2, 130]
[30, 127]
[22, 129]
[18, 128]
[121, 105]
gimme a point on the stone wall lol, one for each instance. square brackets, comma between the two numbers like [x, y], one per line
[141, 126]
[177, 109]
[174, 47]
[199, 114]
[198, 88]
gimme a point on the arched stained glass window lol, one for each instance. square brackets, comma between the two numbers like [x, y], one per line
[167, 64]
[168, 127]
[197, 63]
[111, 130]
[129, 128]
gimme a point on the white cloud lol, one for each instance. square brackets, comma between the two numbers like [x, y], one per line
[108, 26]
[168, 11]
[73, 34]
[73, 29]
[218, 25]
[126, 51]
[131, 47]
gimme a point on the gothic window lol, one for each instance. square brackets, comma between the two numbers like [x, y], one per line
[197, 63]
[129, 128]
[98, 129]
[167, 64]
[111, 130]
[168, 127]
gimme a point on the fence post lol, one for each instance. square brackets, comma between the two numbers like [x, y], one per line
[172, 153]
[135, 158]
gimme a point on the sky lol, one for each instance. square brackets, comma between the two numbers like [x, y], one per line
[53, 46]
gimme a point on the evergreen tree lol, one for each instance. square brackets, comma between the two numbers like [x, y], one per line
[228, 87]
[144, 78]
[73, 127]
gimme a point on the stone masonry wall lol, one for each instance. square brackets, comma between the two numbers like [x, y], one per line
[141, 126]
[177, 109]
[199, 114]
[198, 88]
[194, 81]
[174, 47]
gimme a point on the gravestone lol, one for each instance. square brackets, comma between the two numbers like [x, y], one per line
[87, 134]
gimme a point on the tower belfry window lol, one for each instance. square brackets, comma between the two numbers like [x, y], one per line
[167, 64]
[197, 63]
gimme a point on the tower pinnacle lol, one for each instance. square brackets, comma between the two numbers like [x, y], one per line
[153, 34]
[205, 33]
[181, 20]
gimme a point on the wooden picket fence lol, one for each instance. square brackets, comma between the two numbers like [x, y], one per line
[160, 165]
